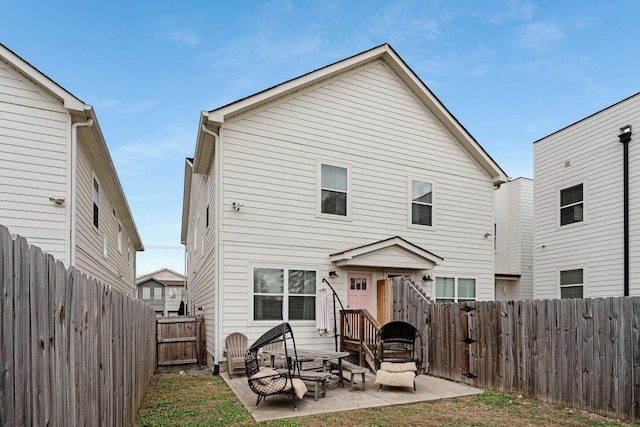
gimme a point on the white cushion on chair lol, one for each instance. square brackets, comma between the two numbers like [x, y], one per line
[395, 379]
[399, 367]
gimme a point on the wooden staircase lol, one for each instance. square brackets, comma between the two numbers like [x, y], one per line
[358, 334]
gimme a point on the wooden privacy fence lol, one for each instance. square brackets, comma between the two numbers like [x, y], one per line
[180, 341]
[582, 353]
[73, 351]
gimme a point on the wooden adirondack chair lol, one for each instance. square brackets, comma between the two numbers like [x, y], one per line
[237, 345]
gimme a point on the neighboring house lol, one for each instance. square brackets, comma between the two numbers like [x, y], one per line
[163, 290]
[580, 196]
[513, 240]
[355, 170]
[58, 186]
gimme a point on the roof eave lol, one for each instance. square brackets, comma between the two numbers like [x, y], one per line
[186, 197]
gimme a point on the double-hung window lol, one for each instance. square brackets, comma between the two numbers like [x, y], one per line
[284, 294]
[334, 190]
[571, 205]
[157, 293]
[572, 283]
[453, 289]
[146, 292]
[421, 203]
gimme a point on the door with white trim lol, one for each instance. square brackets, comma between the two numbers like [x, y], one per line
[359, 294]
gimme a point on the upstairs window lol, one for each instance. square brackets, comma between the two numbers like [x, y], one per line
[146, 293]
[421, 203]
[572, 283]
[451, 289]
[334, 190]
[96, 203]
[571, 205]
[119, 237]
[157, 293]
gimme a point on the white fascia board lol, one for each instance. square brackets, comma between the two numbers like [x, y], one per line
[69, 101]
[186, 199]
[340, 258]
[205, 146]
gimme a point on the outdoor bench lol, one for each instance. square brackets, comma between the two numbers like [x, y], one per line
[319, 380]
[353, 369]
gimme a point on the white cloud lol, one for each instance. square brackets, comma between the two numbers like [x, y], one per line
[540, 35]
[141, 106]
[186, 36]
[514, 10]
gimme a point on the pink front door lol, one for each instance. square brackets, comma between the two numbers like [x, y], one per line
[359, 296]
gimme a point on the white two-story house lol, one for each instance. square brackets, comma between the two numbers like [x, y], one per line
[58, 186]
[587, 218]
[352, 173]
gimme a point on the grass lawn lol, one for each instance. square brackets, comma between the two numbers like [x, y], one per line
[206, 400]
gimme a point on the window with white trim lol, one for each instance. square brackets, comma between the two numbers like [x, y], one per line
[284, 294]
[571, 205]
[96, 203]
[157, 293]
[146, 292]
[421, 203]
[454, 289]
[334, 190]
[119, 237]
[572, 283]
[172, 293]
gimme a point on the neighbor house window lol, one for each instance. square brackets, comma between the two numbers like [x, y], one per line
[284, 294]
[146, 293]
[208, 202]
[157, 293]
[120, 238]
[571, 205]
[172, 293]
[96, 203]
[183, 293]
[452, 289]
[572, 283]
[334, 190]
[421, 203]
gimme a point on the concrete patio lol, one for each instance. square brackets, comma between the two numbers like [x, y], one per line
[341, 399]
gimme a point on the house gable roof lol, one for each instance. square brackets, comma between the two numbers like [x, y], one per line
[213, 119]
[96, 146]
[394, 252]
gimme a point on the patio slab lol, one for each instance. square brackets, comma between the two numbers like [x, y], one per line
[341, 399]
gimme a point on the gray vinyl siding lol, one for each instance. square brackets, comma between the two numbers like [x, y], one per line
[116, 269]
[34, 158]
[201, 262]
[366, 119]
[594, 153]
[514, 254]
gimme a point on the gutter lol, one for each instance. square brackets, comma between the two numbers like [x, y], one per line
[625, 138]
[216, 199]
[74, 187]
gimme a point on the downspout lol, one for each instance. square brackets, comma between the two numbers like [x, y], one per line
[625, 137]
[216, 238]
[74, 186]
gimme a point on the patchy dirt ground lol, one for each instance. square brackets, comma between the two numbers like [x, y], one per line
[205, 400]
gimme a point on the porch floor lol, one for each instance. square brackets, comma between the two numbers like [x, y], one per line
[341, 399]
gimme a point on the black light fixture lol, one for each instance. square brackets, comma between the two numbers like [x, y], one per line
[427, 278]
[333, 273]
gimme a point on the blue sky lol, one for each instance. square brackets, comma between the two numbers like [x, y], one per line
[510, 71]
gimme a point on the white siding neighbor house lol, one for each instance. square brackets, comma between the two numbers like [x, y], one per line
[587, 219]
[58, 186]
[513, 239]
[163, 290]
[352, 173]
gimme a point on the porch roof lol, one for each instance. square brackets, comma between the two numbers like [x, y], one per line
[394, 252]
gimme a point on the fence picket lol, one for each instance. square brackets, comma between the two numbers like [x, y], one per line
[57, 333]
[573, 352]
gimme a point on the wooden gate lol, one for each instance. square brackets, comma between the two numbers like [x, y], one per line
[180, 341]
